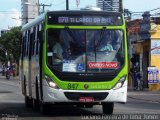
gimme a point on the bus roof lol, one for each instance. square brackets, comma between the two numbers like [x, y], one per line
[35, 21]
[84, 12]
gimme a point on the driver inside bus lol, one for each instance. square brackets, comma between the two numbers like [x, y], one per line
[57, 50]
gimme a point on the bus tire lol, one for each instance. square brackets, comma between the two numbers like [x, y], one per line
[24, 86]
[28, 102]
[108, 107]
[44, 108]
[36, 102]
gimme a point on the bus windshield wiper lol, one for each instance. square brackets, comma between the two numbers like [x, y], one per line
[99, 41]
[70, 33]
[101, 37]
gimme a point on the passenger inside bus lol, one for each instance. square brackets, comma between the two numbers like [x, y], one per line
[100, 49]
[107, 47]
[106, 43]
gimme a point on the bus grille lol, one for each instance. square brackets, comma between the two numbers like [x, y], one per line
[77, 95]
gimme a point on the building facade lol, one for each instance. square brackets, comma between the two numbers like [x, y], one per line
[110, 5]
[30, 10]
[144, 39]
[155, 48]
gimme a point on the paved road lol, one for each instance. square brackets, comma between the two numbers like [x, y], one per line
[12, 105]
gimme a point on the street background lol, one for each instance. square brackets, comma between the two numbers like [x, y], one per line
[140, 103]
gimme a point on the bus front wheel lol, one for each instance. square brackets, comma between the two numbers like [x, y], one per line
[107, 107]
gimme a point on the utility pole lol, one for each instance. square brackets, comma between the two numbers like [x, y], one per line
[121, 6]
[127, 14]
[26, 19]
[44, 5]
[67, 5]
[103, 5]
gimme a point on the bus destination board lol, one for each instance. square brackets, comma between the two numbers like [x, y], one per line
[84, 20]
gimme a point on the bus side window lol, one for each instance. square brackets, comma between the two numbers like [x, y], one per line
[26, 43]
[23, 46]
[39, 36]
[40, 32]
[37, 40]
[32, 36]
[32, 44]
[40, 39]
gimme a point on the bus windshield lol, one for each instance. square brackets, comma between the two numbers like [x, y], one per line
[77, 50]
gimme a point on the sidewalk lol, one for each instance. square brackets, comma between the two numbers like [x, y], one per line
[11, 77]
[145, 95]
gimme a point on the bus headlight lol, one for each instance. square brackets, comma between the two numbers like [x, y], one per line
[51, 83]
[120, 83]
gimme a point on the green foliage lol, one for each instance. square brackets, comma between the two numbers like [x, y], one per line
[11, 41]
[2, 56]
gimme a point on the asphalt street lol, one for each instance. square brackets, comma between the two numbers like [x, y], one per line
[12, 106]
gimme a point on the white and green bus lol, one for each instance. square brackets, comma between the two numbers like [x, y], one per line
[75, 57]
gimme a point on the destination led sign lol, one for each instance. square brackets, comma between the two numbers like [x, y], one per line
[84, 20]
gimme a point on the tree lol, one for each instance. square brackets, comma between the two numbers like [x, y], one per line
[11, 41]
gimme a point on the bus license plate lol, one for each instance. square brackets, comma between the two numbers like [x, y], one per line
[86, 99]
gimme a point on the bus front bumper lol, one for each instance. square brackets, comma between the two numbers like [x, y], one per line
[51, 95]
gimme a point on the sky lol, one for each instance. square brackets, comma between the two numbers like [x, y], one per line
[10, 10]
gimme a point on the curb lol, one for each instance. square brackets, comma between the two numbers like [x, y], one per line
[153, 101]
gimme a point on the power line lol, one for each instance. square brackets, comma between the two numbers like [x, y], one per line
[44, 5]
[53, 2]
[12, 12]
[108, 5]
[9, 12]
[129, 13]
[155, 9]
[46, 2]
[60, 3]
[146, 10]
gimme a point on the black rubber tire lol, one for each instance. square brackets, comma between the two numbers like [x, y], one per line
[107, 107]
[36, 102]
[28, 102]
[44, 108]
